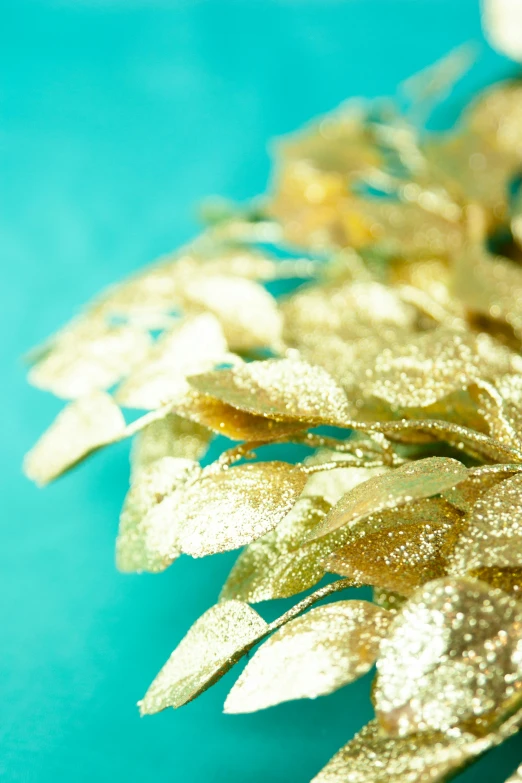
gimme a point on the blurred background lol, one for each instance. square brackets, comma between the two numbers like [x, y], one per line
[116, 119]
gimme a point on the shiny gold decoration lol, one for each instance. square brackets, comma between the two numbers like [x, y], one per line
[197, 344]
[82, 427]
[393, 361]
[453, 657]
[214, 643]
[325, 649]
[280, 389]
[412, 481]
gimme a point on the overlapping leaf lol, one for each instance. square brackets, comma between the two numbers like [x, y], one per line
[312, 655]
[452, 658]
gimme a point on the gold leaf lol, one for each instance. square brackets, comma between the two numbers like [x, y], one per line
[248, 314]
[493, 536]
[282, 389]
[496, 114]
[491, 286]
[310, 656]
[88, 355]
[227, 509]
[231, 422]
[79, 429]
[430, 366]
[400, 549]
[412, 481]
[171, 436]
[453, 657]
[153, 483]
[277, 565]
[222, 510]
[374, 757]
[211, 647]
[333, 484]
[351, 311]
[195, 345]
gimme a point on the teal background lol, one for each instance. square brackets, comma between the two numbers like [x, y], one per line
[116, 118]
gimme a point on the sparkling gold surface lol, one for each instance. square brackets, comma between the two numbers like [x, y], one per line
[452, 658]
[281, 564]
[171, 436]
[406, 338]
[82, 427]
[284, 389]
[196, 345]
[391, 490]
[324, 649]
[214, 643]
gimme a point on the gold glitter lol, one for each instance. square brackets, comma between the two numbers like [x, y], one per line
[432, 757]
[82, 427]
[278, 565]
[453, 657]
[283, 389]
[391, 490]
[196, 345]
[400, 549]
[171, 436]
[152, 485]
[214, 643]
[325, 649]
[494, 530]
[407, 335]
[87, 356]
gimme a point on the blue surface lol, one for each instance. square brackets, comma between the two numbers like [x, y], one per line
[116, 118]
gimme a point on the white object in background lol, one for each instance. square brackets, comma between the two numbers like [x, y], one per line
[502, 23]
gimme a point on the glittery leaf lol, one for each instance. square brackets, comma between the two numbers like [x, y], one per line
[247, 313]
[400, 549]
[397, 488]
[82, 427]
[153, 483]
[214, 643]
[452, 657]
[194, 346]
[88, 355]
[430, 366]
[235, 424]
[493, 535]
[284, 389]
[171, 436]
[432, 757]
[310, 656]
[228, 509]
[278, 565]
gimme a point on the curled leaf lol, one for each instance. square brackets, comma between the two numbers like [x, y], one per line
[282, 389]
[79, 429]
[415, 480]
[214, 643]
[235, 424]
[310, 656]
[452, 657]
